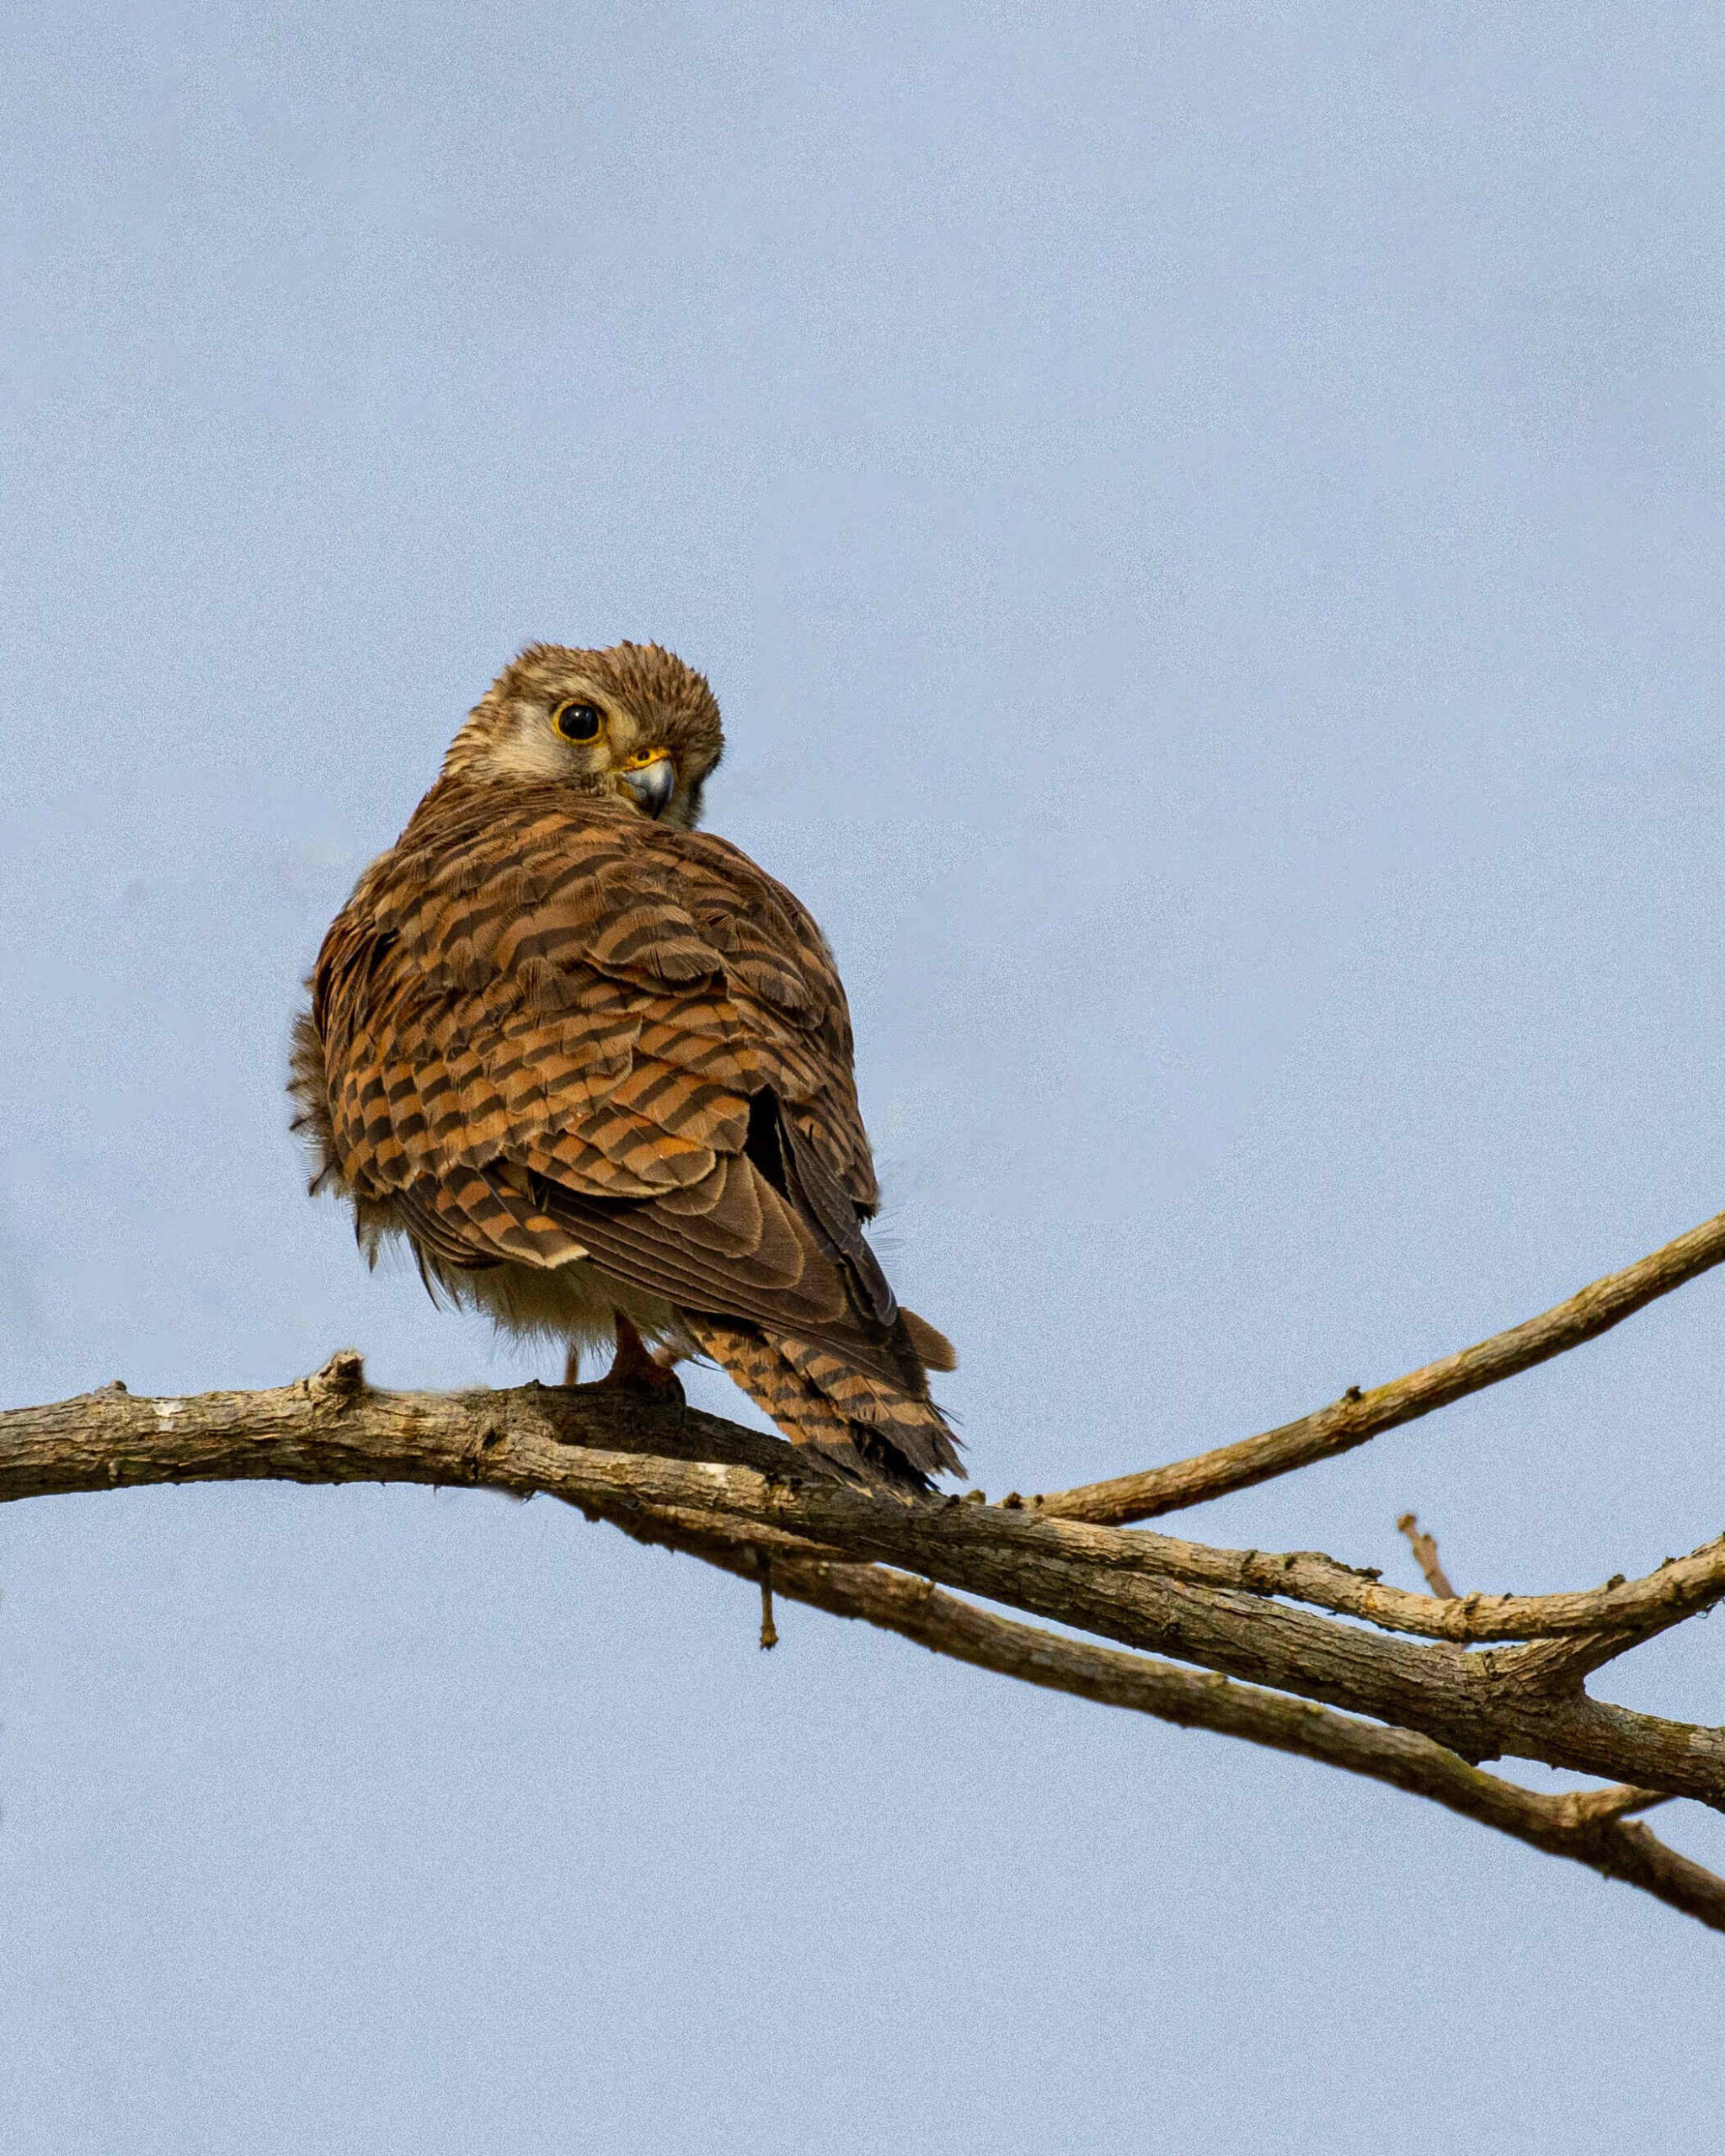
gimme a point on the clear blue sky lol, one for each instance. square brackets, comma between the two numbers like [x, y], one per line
[1206, 527]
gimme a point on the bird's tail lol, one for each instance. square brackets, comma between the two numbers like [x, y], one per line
[879, 1429]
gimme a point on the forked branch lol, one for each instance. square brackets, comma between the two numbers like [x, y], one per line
[1262, 1663]
[1589, 1826]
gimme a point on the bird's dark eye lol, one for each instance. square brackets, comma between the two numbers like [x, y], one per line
[578, 721]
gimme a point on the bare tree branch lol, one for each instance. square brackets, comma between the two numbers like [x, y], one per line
[1358, 1417]
[1678, 1588]
[1585, 1826]
[334, 1428]
[1579, 1827]
[1268, 1667]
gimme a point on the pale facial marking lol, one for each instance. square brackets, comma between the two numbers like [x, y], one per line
[529, 738]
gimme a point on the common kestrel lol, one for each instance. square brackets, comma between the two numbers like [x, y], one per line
[595, 1067]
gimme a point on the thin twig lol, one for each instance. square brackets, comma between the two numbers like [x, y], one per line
[1360, 1416]
[1425, 1555]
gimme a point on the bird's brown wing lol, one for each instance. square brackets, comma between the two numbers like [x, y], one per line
[550, 1028]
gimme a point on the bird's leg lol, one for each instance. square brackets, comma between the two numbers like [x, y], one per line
[636, 1369]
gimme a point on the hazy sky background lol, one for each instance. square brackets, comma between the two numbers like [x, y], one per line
[1206, 526]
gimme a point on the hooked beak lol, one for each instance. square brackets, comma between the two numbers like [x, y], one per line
[652, 782]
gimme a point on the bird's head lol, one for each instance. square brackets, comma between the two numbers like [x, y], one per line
[632, 724]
